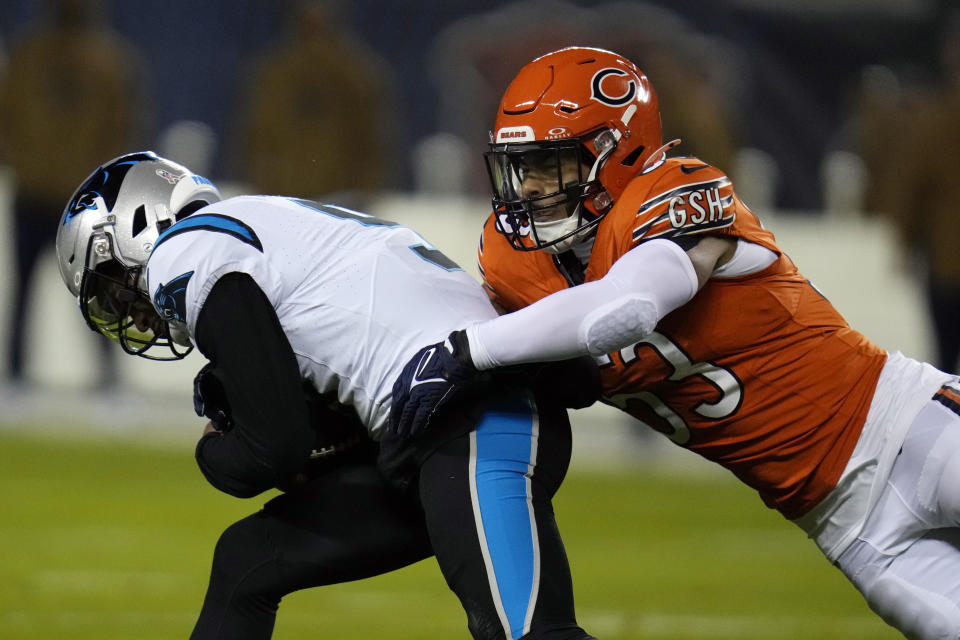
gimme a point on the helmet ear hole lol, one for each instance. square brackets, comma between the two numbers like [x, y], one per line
[139, 220]
[631, 159]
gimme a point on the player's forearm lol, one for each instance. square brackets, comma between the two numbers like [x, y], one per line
[271, 437]
[229, 467]
[593, 318]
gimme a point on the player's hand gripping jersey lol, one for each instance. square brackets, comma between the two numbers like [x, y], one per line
[757, 372]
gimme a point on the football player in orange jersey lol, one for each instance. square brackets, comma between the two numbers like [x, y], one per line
[706, 331]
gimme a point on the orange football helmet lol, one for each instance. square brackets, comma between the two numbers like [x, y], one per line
[573, 128]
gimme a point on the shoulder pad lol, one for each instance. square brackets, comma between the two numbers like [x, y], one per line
[682, 196]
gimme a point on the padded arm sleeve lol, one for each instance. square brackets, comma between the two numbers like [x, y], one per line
[593, 318]
[271, 439]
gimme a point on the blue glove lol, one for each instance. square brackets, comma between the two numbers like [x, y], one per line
[428, 381]
[210, 400]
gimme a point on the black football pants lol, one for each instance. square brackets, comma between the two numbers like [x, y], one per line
[483, 505]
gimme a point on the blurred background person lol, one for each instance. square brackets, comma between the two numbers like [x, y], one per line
[916, 185]
[316, 118]
[70, 98]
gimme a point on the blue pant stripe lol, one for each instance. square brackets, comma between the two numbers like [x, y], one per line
[504, 452]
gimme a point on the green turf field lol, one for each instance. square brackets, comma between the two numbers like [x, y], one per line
[107, 539]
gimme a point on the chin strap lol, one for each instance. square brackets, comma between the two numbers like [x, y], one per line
[659, 155]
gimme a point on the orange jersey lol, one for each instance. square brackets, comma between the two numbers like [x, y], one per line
[758, 373]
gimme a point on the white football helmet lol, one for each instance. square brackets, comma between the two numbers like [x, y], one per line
[107, 231]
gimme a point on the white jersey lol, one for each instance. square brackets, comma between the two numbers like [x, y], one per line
[356, 296]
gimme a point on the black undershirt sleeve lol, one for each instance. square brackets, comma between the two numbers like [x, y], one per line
[686, 242]
[239, 332]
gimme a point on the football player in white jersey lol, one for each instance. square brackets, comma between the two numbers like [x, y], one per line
[307, 313]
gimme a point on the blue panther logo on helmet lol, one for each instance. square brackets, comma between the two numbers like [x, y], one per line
[104, 183]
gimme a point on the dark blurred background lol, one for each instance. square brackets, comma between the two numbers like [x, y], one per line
[785, 73]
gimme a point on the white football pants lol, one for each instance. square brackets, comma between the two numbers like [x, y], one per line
[906, 561]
